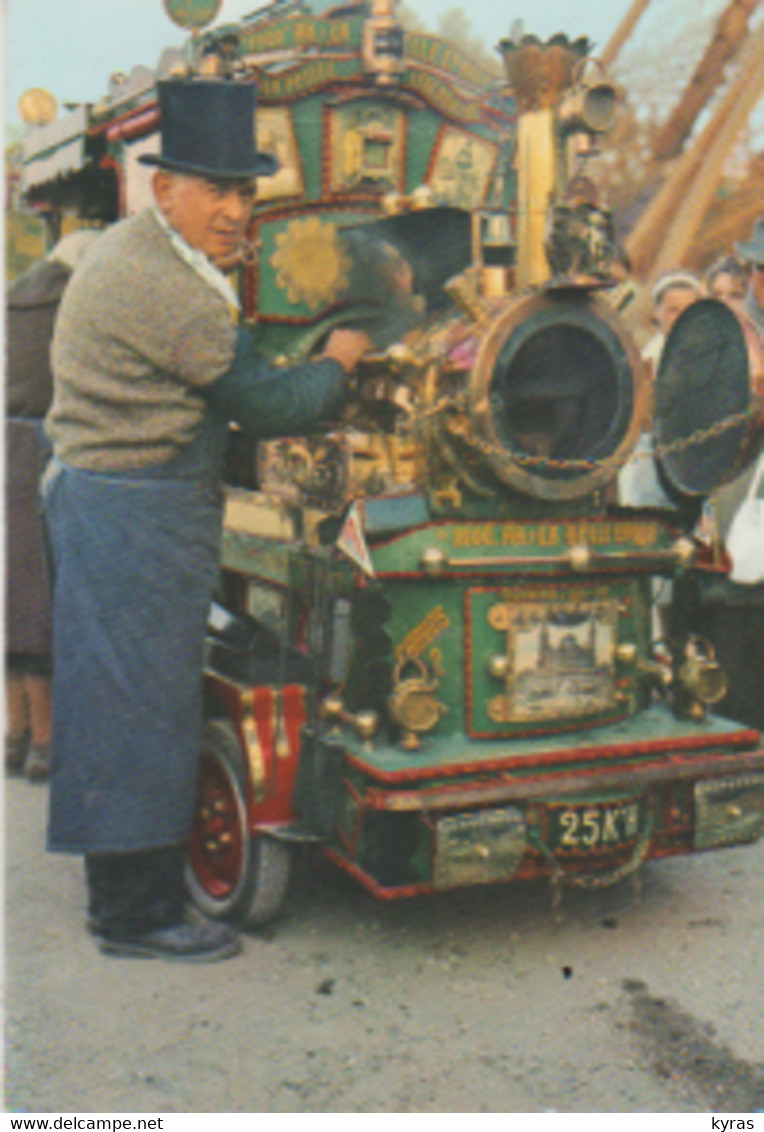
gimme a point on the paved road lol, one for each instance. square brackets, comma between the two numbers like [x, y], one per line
[480, 1001]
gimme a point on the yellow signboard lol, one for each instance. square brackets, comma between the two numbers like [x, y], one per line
[192, 13]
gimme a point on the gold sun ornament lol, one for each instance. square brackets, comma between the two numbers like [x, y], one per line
[311, 264]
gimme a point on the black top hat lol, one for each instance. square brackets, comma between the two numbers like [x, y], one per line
[208, 129]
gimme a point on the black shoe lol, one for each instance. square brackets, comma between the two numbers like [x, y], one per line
[197, 940]
[16, 751]
[37, 765]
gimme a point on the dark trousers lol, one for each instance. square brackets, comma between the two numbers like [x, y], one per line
[133, 893]
[737, 632]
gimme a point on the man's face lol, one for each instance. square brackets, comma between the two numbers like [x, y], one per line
[673, 302]
[210, 215]
[727, 288]
[757, 283]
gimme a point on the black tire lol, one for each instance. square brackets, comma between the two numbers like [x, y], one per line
[231, 874]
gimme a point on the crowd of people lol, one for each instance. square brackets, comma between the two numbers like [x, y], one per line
[734, 279]
[149, 366]
[32, 302]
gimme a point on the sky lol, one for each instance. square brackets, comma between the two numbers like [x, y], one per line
[71, 47]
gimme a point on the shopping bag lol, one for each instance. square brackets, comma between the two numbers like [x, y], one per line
[745, 541]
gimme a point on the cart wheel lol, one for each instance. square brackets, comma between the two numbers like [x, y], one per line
[229, 873]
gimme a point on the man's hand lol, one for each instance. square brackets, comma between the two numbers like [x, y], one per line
[346, 347]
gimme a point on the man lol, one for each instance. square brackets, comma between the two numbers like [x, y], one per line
[753, 251]
[672, 294]
[638, 482]
[149, 368]
[732, 609]
[32, 301]
[727, 281]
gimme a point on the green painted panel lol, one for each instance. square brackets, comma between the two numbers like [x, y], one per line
[311, 76]
[446, 56]
[655, 724]
[336, 35]
[285, 291]
[262, 558]
[541, 656]
[452, 632]
[479, 545]
[307, 117]
[424, 126]
[427, 629]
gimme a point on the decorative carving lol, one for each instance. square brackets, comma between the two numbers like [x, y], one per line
[366, 147]
[462, 168]
[540, 72]
[275, 135]
[561, 660]
[311, 264]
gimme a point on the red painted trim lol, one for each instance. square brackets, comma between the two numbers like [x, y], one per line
[512, 762]
[533, 867]
[500, 115]
[351, 841]
[336, 84]
[583, 724]
[345, 841]
[631, 569]
[436, 147]
[403, 181]
[137, 112]
[468, 652]
[370, 884]
[279, 772]
[131, 129]
[250, 285]
[326, 151]
[109, 162]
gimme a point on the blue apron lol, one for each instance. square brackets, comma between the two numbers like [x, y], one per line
[135, 561]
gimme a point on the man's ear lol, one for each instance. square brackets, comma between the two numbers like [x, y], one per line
[162, 186]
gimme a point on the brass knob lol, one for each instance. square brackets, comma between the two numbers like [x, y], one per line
[433, 561]
[499, 667]
[422, 197]
[400, 356]
[684, 551]
[393, 204]
[332, 707]
[661, 672]
[366, 724]
[580, 558]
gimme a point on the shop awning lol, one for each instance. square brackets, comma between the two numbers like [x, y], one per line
[54, 150]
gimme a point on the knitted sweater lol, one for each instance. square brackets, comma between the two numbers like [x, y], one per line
[139, 336]
[32, 302]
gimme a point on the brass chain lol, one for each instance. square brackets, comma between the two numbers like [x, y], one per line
[700, 436]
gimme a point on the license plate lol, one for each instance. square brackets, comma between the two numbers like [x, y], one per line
[596, 825]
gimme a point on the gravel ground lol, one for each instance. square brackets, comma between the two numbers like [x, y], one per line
[479, 1001]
